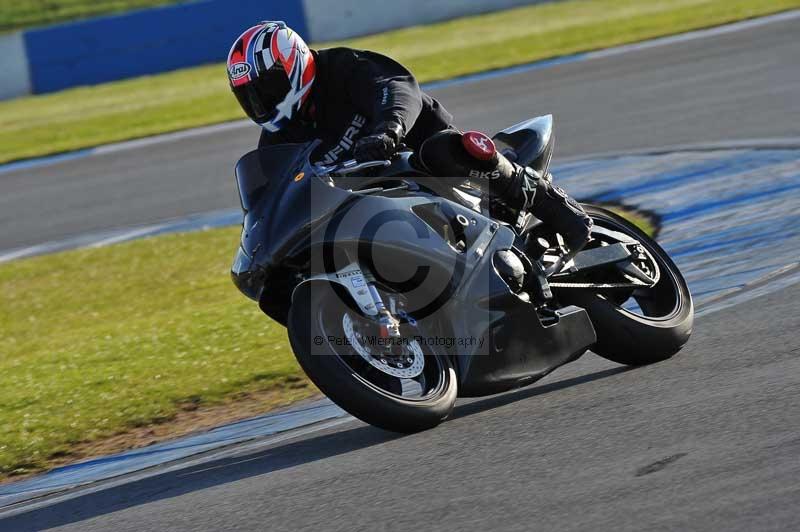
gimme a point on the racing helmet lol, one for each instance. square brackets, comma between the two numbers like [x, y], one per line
[271, 71]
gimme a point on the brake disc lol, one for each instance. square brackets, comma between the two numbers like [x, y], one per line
[407, 365]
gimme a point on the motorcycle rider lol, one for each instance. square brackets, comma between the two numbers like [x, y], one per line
[364, 105]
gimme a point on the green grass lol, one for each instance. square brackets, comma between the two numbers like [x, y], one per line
[96, 341]
[639, 219]
[84, 117]
[17, 14]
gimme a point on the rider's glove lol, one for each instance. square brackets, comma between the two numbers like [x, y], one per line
[381, 145]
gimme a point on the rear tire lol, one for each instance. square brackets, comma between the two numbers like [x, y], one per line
[624, 336]
[316, 312]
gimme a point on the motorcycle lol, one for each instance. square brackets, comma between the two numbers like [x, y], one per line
[400, 295]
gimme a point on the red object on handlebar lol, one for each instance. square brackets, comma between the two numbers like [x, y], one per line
[479, 145]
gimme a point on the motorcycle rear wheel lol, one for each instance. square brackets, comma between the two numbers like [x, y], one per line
[665, 322]
[318, 314]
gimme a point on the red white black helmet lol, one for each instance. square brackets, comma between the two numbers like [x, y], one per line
[271, 71]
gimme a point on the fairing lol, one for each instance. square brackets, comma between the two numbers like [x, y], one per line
[298, 223]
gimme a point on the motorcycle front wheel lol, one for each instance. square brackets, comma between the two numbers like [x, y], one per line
[405, 387]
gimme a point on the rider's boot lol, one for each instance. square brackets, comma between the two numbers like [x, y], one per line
[530, 192]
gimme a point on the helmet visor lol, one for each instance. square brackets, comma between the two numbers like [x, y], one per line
[261, 96]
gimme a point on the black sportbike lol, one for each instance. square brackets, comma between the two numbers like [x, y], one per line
[400, 294]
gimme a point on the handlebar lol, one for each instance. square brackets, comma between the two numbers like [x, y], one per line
[349, 167]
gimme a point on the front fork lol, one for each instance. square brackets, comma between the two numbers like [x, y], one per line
[360, 285]
[389, 324]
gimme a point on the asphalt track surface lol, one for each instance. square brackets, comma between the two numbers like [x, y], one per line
[740, 85]
[705, 441]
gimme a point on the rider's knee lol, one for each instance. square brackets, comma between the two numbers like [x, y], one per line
[451, 153]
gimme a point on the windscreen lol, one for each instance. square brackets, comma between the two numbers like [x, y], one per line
[256, 170]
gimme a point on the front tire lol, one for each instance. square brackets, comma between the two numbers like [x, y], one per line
[358, 387]
[667, 317]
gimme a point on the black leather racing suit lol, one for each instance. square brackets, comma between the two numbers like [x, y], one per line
[354, 92]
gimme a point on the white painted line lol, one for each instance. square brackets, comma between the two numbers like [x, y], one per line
[788, 143]
[748, 291]
[174, 136]
[26, 252]
[695, 35]
[128, 235]
[235, 449]
[190, 223]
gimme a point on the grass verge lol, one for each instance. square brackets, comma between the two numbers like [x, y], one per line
[89, 116]
[98, 342]
[642, 220]
[111, 348]
[18, 14]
